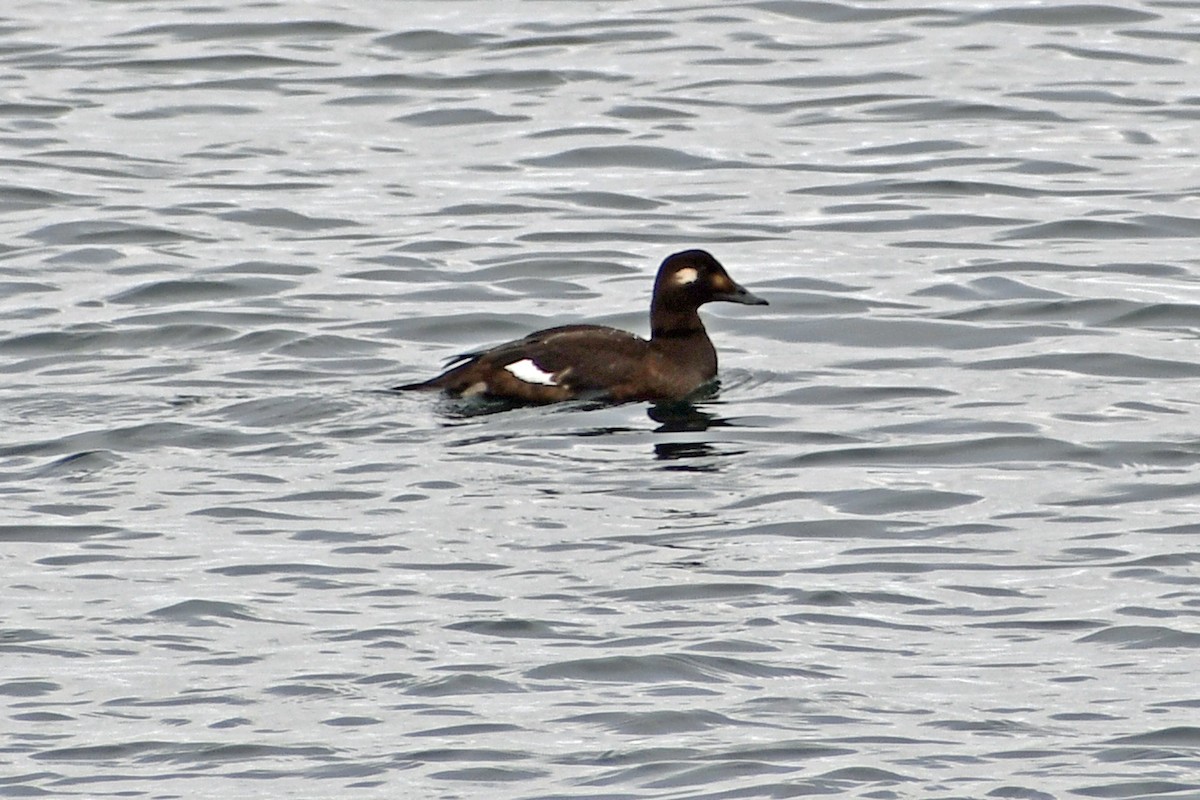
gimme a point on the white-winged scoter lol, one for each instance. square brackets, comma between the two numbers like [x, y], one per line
[598, 362]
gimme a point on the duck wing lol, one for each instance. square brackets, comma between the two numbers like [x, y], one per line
[567, 362]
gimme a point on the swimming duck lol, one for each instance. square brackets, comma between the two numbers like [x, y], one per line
[597, 362]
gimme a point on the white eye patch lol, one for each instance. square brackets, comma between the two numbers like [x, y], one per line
[686, 275]
[526, 370]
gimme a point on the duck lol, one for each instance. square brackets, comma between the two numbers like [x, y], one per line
[597, 362]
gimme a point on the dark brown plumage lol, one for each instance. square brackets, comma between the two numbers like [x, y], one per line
[597, 362]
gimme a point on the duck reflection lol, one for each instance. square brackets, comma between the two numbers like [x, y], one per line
[679, 416]
[684, 417]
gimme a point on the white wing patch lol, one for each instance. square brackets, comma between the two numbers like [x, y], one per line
[686, 275]
[530, 372]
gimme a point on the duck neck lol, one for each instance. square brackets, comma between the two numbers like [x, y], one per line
[679, 337]
[668, 324]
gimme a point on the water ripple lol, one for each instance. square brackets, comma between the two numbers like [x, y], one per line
[919, 541]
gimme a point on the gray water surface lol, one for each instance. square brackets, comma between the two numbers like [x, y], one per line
[934, 536]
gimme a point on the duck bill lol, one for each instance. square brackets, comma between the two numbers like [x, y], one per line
[739, 294]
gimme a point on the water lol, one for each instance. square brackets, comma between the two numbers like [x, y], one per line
[934, 537]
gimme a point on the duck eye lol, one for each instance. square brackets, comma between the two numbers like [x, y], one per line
[685, 276]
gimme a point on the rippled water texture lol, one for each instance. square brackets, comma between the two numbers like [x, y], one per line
[935, 537]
